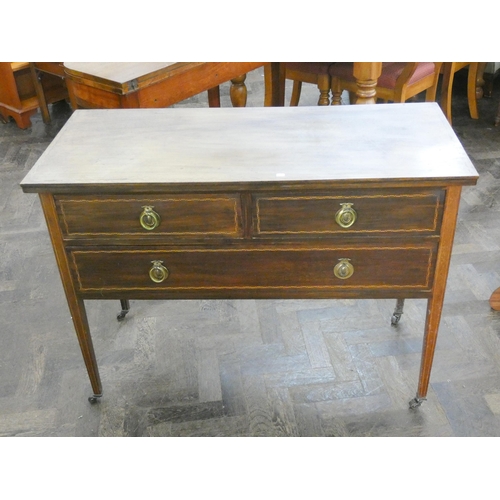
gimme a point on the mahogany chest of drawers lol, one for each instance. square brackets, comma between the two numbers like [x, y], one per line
[326, 202]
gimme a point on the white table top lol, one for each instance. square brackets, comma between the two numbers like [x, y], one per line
[119, 72]
[245, 145]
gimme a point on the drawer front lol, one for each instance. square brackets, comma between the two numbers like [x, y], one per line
[190, 269]
[353, 213]
[173, 215]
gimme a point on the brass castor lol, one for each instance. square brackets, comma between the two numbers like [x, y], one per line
[416, 402]
[125, 304]
[396, 315]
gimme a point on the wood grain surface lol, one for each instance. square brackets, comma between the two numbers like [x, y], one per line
[225, 146]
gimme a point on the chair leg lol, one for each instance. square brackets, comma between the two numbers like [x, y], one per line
[324, 90]
[430, 93]
[336, 92]
[471, 90]
[448, 76]
[296, 90]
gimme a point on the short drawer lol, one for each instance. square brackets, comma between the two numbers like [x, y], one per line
[190, 269]
[141, 216]
[368, 212]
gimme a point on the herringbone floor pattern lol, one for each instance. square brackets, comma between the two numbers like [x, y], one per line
[248, 368]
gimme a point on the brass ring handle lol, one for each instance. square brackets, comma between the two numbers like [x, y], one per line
[158, 272]
[344, 269]
[346, 216]
[149, 219]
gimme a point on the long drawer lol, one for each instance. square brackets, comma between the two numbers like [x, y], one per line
[175, 215]
[367, 212]
[184, 269]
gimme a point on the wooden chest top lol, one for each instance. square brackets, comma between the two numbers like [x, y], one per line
[134, 149]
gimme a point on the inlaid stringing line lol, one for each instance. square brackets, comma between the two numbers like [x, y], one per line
[173, 233]
[433, 228]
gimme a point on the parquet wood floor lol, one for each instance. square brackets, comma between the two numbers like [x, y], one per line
[248, 368]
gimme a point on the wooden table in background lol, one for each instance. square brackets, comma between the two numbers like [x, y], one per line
[158, 85]
[153, 85]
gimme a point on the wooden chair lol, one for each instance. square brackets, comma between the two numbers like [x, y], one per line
[398, 82]
[309, 72]
[448, 70]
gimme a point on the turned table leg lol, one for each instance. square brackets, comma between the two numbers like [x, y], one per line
[238, 91]
[367, 75]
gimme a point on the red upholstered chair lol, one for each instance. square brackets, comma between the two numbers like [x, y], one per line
[398, 82]
[309, 72]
